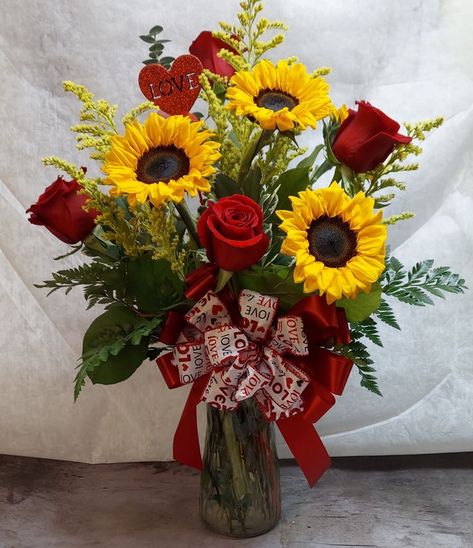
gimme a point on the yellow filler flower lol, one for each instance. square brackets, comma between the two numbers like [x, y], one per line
[339, 242]
[282, 96]
[161, 160]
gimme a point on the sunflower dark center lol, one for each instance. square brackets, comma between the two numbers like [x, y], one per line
[331, 241]
[161, 164]
[275, 100]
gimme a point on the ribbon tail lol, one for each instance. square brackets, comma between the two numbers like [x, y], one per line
[186, 448]
[306, 446]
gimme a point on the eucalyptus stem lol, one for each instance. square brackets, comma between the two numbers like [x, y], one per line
[188, 221]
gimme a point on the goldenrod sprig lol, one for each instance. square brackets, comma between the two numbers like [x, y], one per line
[101, 114]
[245, 38]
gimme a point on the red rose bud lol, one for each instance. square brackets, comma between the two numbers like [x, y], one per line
[60, 210]
[205, 47]
[231, 231]
[366, 138]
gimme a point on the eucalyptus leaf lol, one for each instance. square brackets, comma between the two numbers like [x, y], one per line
[156, 30]
[157, 47]
[146, 38]
[166, 60]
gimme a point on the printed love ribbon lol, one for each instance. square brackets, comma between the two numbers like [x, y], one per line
[231, 355]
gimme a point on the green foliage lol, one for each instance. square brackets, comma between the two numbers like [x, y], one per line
[416, 286]
[358, 353]
[290, 183]
[308, 161]
[103, 281]
[367, 328]
[115, 345]
[360, 308]
[225, 186]
[385, 314]
[156, 47]
[276, 282]
[154, 285]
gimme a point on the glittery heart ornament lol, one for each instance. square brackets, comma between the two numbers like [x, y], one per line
[175, 90]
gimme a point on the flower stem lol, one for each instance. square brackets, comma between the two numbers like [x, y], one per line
[188, 221]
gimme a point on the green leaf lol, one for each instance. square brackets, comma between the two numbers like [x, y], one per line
[166, 60]
[153, 284]
[150, 62]
[308, 161]
[225, 186]
[146, 38]
[119, 361]
[251, 184]
[275, 283]
[357, 310]
[156, 30]
[157, 47]
[223, 278]
[290, 183]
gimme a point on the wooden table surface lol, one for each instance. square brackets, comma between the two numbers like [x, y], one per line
[418, 501]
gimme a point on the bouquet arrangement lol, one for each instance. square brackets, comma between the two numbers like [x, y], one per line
[262, 294]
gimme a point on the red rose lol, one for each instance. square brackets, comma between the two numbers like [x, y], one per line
[60, 210]
[231, 231]
[206, 47]
[366, 138]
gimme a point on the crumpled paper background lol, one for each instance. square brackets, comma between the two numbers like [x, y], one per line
[412, 59]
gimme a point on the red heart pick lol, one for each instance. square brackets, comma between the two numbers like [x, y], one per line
[216, 308]
[176, 90]
[289, 381]
[184, 366]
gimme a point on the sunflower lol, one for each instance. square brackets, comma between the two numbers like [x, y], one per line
[339, 242]
[160, 160]
[282, 96]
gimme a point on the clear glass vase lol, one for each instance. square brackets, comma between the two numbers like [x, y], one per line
[240, 491]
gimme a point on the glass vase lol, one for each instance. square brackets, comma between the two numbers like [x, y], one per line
[240, 491]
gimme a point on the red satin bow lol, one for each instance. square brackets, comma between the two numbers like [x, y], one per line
[328, 373]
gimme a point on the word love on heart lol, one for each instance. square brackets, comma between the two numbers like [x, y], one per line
[175, 90]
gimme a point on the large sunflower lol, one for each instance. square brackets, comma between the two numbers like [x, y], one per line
[339, 242]
[161, 160]
[282, 96]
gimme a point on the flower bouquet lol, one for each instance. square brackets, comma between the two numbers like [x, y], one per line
[213, 247]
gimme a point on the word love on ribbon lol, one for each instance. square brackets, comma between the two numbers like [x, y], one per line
[243, 361]
[176, 90]
[231, 353]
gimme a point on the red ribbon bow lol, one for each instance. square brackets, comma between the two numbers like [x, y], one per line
[326, 374]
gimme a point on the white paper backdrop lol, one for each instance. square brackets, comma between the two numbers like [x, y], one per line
[412, 59]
